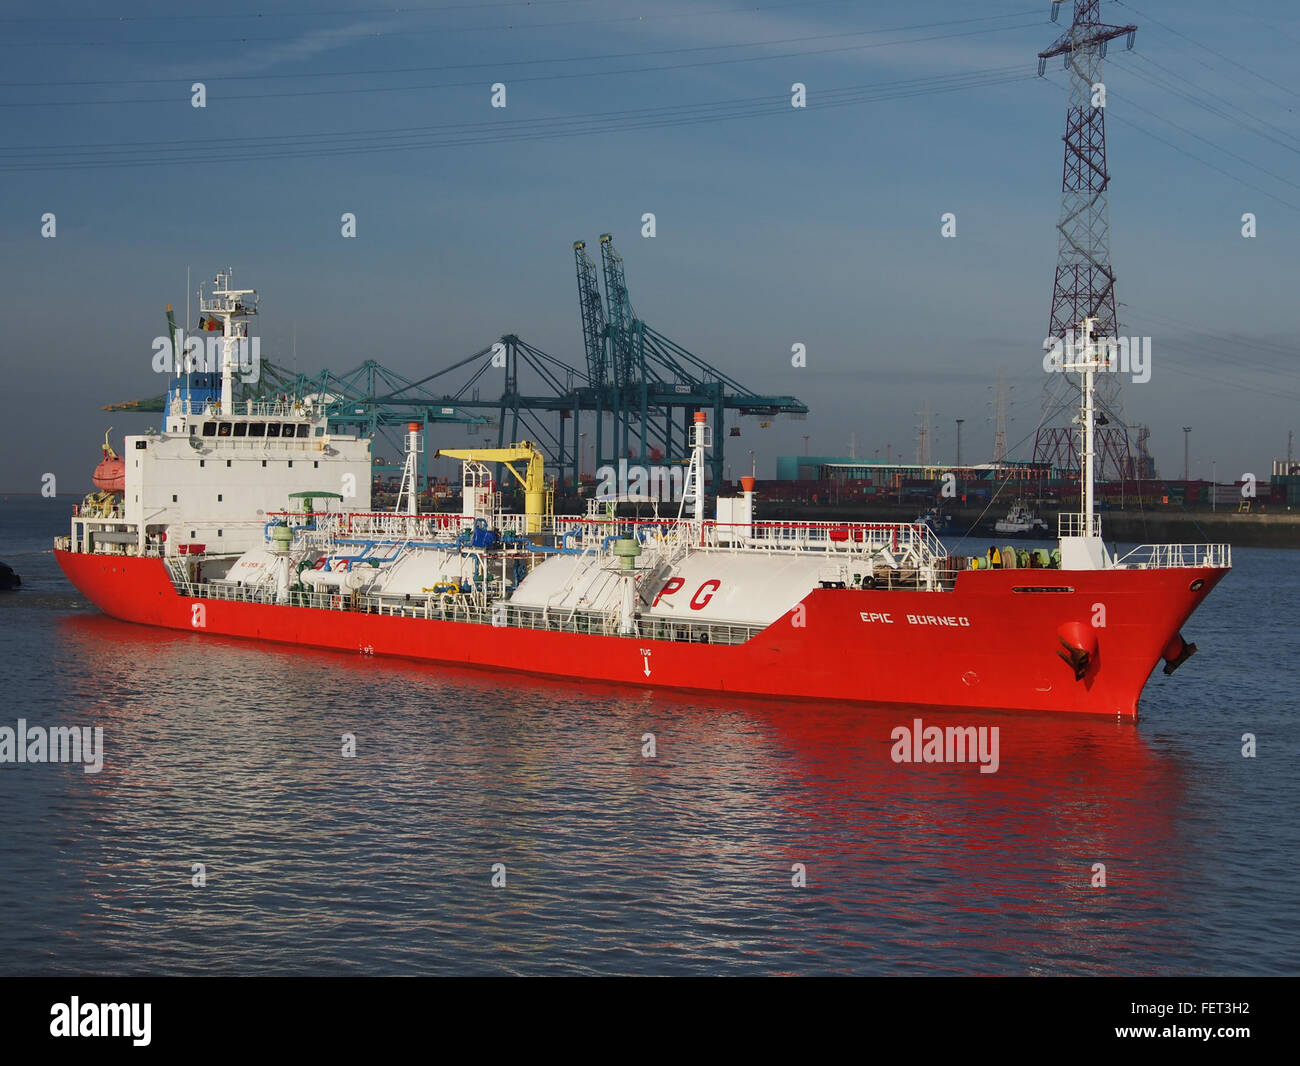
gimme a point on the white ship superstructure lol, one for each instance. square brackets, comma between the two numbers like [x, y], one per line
[202, 482]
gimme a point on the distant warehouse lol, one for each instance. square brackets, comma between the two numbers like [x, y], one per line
[884, 474]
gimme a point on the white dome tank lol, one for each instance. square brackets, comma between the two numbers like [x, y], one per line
[743, 588]
[255, 566]
[420, 569]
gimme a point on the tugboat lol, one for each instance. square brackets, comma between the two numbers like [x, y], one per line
[936, 518]
[1022, 521]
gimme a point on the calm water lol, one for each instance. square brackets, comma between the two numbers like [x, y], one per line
[228, 754]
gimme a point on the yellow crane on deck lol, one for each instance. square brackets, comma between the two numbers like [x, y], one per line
[538, 499]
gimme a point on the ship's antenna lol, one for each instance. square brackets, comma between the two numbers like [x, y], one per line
[188, 383]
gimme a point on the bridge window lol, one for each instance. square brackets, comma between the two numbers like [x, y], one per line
[257, 429]
[304, 430]
[241, 429]
[209, 429]
[223, 429]
[273, 429]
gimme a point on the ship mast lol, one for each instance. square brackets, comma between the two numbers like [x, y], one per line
[693, 489]
[410, 472]
[1079, 534]
[1088, 418]
[228, 304]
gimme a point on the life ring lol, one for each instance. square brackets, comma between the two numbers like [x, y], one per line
[336, 602]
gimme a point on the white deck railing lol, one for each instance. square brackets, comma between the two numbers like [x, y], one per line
[912, 543]
[1074, 524]
[243, 409]
[1170, 556]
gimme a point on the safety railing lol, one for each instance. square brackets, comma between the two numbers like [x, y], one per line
[244, 408]
[607, 624]
[1078, 525]
[295, 445]
[452, 608]
[1174, 556]
[264, 594]
[915, 543]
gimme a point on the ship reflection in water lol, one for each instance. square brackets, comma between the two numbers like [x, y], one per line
[229, 754]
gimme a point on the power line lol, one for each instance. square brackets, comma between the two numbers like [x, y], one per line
[1207, 48]
[1206, 140]
[99, 102]
[456, 135]
[505, 123]
[1220, 355]
[387, 34]
[1197, 97]
[503, 64]
[1250, 14]
[1191, 155]
[1273, 349]
[261, 15]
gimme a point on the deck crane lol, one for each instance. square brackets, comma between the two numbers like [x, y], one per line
[538, 499]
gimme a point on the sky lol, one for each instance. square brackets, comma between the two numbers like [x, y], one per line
[774, 225]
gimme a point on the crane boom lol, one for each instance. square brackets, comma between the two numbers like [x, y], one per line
[533, 479]
[594, 329]
[623, 324]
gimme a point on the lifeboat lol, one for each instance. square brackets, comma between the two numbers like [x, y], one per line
[110, 474]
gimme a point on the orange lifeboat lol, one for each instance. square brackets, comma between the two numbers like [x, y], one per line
[110, 474]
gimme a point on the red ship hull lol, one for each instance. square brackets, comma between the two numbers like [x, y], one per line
[996, 645]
